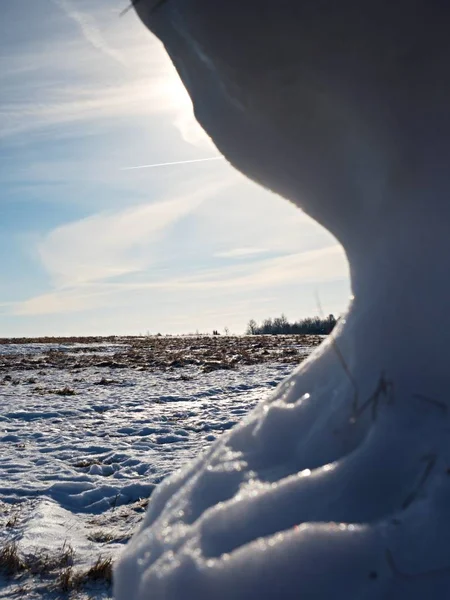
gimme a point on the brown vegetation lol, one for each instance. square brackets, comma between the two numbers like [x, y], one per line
[57, 568]
[209, 353]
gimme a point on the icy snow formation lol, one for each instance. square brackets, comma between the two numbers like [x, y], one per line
[338, 486]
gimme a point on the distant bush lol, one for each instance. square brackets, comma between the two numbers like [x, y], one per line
[280, 325]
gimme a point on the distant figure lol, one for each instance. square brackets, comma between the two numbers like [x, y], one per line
[338, 486]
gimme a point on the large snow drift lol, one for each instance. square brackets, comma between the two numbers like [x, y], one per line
[304, 500]
[339, 485]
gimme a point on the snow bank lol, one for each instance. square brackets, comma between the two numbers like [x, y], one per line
[301, 499]
[338, 486]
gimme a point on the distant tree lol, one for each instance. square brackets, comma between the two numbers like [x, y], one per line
[226, 331]
[267, 326]
[252, 327]
[281, 326]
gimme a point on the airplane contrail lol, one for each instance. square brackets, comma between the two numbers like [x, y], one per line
[169, 164]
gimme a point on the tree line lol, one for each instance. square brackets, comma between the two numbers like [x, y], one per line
[280, 325]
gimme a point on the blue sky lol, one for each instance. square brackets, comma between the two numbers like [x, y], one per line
[92, 246]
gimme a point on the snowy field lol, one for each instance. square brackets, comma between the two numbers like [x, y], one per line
[87, 430]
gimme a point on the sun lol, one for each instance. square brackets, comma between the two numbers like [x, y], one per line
[179, 101]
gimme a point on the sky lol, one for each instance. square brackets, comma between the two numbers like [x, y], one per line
[93, 245]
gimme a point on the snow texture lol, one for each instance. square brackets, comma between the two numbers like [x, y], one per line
[337, 486]
[75, 470]
[109, 445]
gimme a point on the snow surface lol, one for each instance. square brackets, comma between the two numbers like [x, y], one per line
[75, 469]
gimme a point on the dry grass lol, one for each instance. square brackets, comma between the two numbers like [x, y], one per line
[58, 567]
[100, 536]
[66, 391]
[12, 521]
[85, 463]
[205, 353]
[141, 505]
[101, 570]
[11, 562]
[103, 537]
[69, 579]
[35, 563]
[45, 564]
[105, 381]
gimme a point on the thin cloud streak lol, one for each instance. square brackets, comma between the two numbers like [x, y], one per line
[90, 30]
[177, 162]
[240, 252]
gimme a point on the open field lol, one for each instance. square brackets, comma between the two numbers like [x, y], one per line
[89, 427]
[208, 353]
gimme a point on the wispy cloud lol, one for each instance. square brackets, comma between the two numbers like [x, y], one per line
[324, 264]
[108, 245]
[66, 80]
[88, 103]
[317, 266]
[240, 252]
[61, 302]
[90, 30]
